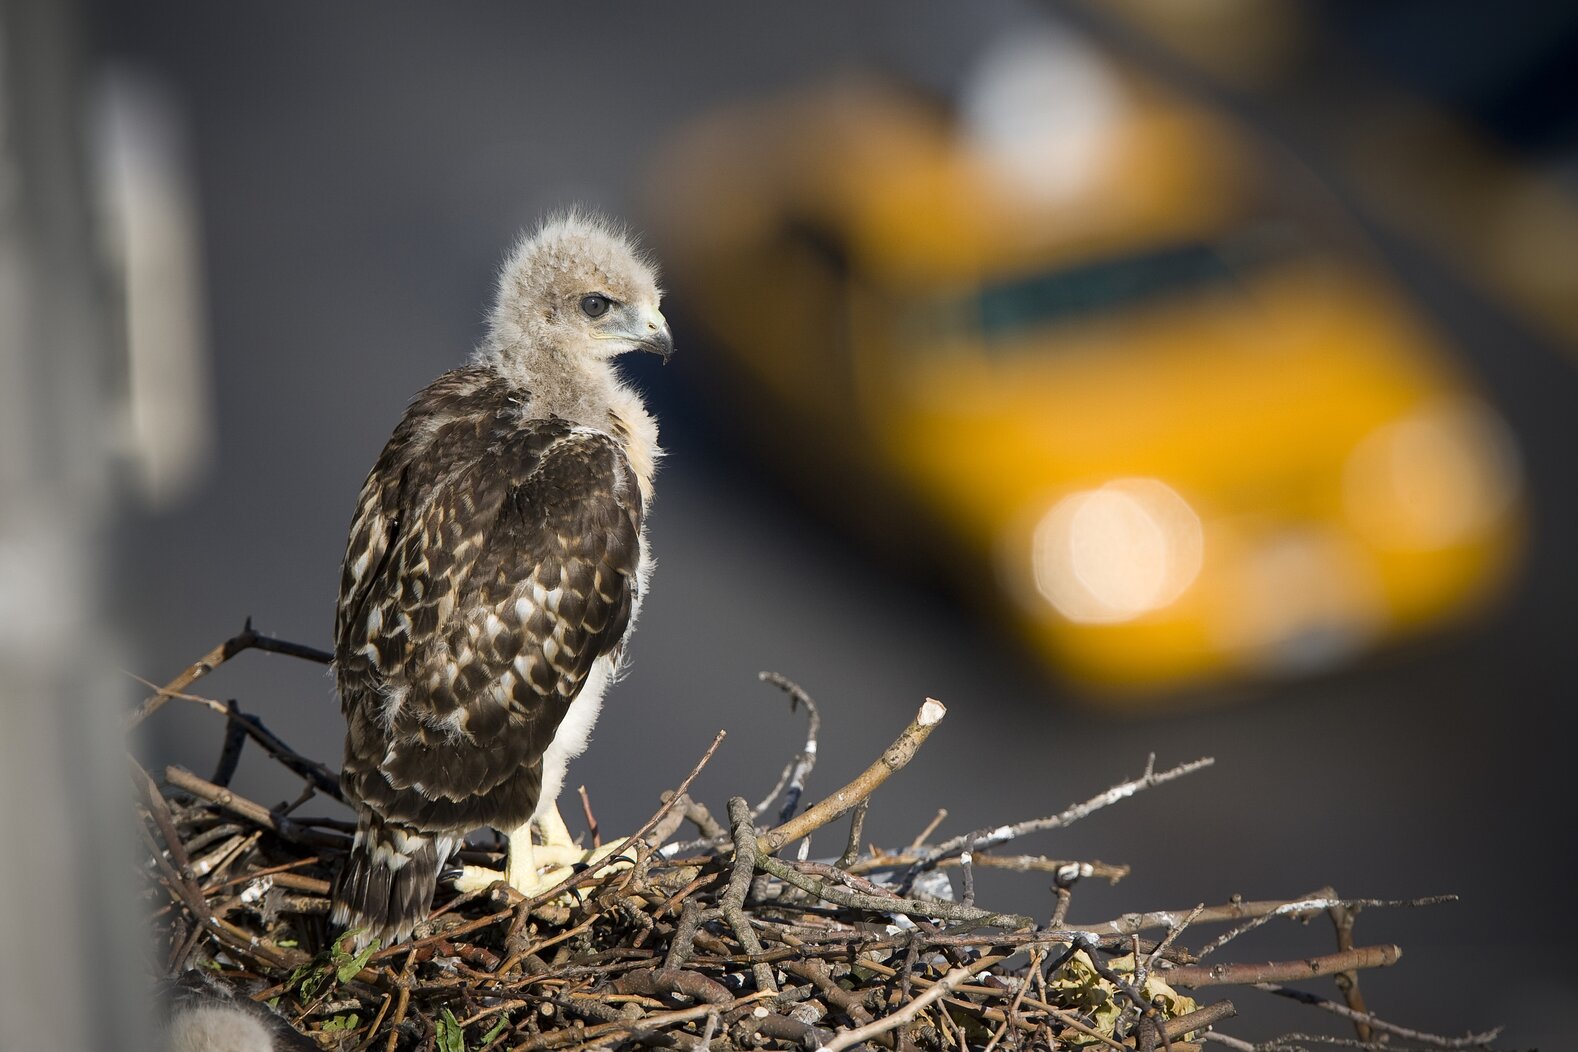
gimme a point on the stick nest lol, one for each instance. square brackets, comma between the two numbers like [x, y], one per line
[713, 933]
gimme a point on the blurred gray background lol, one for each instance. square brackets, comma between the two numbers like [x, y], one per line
[356, 172]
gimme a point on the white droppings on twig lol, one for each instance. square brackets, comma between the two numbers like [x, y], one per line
[256, 890]
[931, 713]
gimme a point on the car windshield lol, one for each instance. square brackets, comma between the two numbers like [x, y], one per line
[1003, 309]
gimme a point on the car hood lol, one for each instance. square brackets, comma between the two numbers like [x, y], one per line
[1239, 405]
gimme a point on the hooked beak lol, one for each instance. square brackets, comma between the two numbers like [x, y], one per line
[657, 339]
[647, 330]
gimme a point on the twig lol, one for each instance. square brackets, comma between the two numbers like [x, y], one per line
[253, 812]
[1017, 863]
[1313, 904]
[910, 1010]
[832, 807]
[230, 752]
[591, 819]
[931, 827]
[402, 999]
[159, 809]
[683, 941]
[773, 793]
[1296, 908]
[558, 1038]
[316, 774]
[1197, 975]
[247, 639]
[1013, 1006]
[733, 901]
[1141, 970]
[1204, 1016]
[806, 759]
[1342, 920]
[857, 825]
[985, 838]
[897, 904]
[1480, 1040]
[654, 982]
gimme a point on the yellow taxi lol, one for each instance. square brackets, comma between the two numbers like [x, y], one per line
[1144, 401]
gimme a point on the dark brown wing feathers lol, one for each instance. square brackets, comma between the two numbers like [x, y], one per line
[491, 562]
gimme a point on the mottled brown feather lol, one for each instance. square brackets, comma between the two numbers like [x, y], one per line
[492, 560]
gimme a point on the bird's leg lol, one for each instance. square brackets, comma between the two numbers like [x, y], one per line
[557, 846]
[520, 869]
[559, 849]
[554, 832]
[520, 866]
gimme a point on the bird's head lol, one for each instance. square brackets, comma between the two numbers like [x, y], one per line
[579, 286]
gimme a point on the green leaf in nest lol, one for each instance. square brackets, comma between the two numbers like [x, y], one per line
[306, 978]
[347, 966]
[451, 1035]
[347, 1022]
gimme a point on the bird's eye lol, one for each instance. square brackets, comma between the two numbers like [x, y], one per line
[595, 306]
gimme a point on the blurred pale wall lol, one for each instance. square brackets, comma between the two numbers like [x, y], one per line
[69, 978]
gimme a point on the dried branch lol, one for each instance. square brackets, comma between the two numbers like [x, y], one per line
[732, 905]
[255, 813]
[1298, 909]
[246, 639]
[657, 954]
[923, 908]
[1197, 975]
[832, 807]
[1201, 1018]
[805, 760]
[986, 838]
[857, 826]
[1481, 1040]
[1342, 920]
[905, 1014]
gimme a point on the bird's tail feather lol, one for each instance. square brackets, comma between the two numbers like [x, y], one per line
[388, 882]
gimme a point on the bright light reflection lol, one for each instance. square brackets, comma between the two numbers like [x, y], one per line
[1043, 110]
[1114, 553]
[1432, 479]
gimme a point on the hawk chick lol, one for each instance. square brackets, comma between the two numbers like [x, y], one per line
[495, 568]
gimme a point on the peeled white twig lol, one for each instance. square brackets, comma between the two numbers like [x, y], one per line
[986, 838]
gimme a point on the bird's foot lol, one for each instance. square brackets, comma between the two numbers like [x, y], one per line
[528, 883]
[477, 878]
[550, 865]
[590, 858]
[557, 848]
[561, 855]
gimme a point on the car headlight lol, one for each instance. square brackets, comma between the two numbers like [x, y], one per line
[1431, 479]
[1114, 553]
